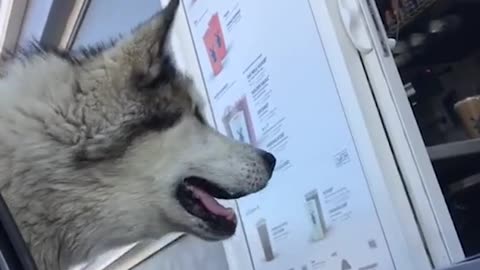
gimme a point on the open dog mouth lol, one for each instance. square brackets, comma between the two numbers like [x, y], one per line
[198, 197]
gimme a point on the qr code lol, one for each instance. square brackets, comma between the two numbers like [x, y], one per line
[342, 158]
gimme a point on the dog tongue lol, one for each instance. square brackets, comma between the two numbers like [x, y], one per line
[212, 205]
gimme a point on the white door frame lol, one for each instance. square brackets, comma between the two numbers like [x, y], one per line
[411, 154]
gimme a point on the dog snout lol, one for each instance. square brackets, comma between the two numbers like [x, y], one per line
[269, 160]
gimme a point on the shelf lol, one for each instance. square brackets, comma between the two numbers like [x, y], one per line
[455, 161]
[470, 264]
[454, 150]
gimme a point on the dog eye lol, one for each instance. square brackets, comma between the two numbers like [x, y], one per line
[199, 116]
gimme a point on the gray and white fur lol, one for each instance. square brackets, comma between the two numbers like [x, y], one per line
[93, 146]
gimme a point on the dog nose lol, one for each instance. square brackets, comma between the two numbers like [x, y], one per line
[269, 161]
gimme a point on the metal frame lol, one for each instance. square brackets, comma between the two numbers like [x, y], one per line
[142, 252]
[12, 13]
[63, 22]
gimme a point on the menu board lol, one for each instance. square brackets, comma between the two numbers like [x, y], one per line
[269, 84]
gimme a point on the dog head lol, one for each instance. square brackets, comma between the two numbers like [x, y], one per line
[158, 136]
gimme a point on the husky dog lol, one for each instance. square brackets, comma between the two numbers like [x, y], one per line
[111, 147]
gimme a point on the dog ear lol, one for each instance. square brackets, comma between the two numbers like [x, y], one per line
[144, 53]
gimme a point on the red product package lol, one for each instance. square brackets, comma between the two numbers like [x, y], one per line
[216, 28]
[215, 61]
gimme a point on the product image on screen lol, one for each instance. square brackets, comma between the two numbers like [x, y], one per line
[215, 46]
[265, 240]
[238, 122]
[219, 39]
[315, 215]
